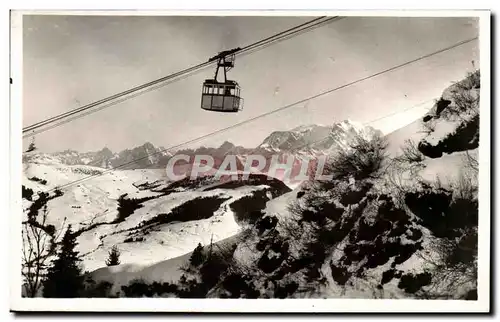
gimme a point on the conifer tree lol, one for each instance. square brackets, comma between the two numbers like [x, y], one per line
[197, 257]
[114, 257]
[64, 278]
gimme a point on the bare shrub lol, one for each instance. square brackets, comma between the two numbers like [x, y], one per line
[35, 245]
[465, 99]
[465, 186]
[399, 183]
[38, 246]
[454, 259]
[363, 159]
[471, 81]
[409, 162]
[454, 266]
[471, 162]
[410, 153]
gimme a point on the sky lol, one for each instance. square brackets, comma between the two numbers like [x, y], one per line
[70, 61]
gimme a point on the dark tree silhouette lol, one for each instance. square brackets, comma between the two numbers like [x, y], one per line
[27, 193]
[64, 278]
[32, 146]
[114, 257]
[36, 248]
[197, 257]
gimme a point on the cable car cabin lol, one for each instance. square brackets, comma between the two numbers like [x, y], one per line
[220, 97]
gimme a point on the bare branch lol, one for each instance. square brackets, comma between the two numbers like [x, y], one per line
[38, 246]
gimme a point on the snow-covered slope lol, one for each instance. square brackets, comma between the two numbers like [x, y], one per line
[91, 206]
[169, 270]
[370, 237]
[447, 137]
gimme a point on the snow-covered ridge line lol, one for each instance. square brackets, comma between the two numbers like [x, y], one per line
[302, 139]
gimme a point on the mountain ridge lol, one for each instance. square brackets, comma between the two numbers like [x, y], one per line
[305, 139]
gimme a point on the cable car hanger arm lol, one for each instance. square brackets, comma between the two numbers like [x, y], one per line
[224, 53]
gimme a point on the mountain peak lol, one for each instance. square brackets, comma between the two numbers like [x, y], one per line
[148, 145]
[317, 137]
[227, 146]
[349, 124]
[301, 139]
[309, 127]
[106, 151]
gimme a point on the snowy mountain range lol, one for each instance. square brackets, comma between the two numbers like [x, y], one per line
[310, 139]
[317, 137]
[144, 156]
